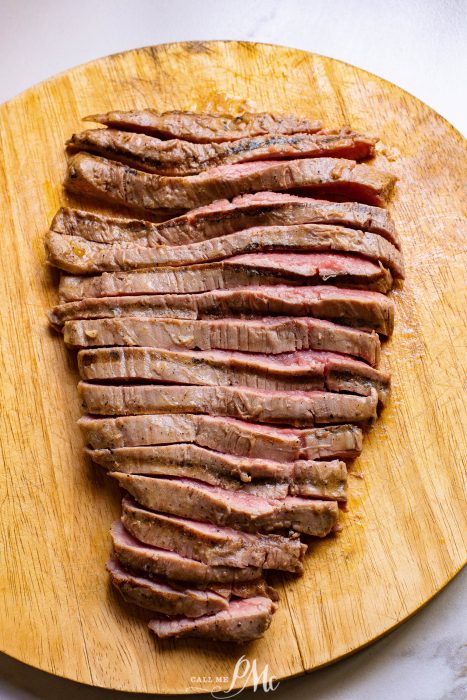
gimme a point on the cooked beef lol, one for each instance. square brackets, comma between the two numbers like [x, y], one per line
[178, 157]
[260, 477]
[240, 271]
[163, 598]
[223, 217]
[268, 335]
[225, 435]
[212, 544]
[248, 589]
[307, 370]
[333, 178]
[351, 307]
[295, 407]
[243, 621]
[203, 127]
[243, 511]
[155, 562]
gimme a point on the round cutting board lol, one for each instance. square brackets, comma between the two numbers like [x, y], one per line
[402, 538]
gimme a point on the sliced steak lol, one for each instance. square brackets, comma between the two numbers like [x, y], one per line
[260, 477]
[243, 621]
[223, 217]
[268, 335]
[211, 544]
[225, 435]
[294, 407]
[203, 127]
[79, 255]
[240, 271]
[307, 370]
[178, 157]
[242, 511]
[163, 598]
[351, 307]
[155, 562]
[333, 178]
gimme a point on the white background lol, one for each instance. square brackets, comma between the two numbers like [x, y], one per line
[419, 45]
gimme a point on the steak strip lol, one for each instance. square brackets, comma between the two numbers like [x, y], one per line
[260, 477]
[155, 562]
[295, 407]
[334, 178]
[163, 598]
[351, 307]
[243, 621]
[204, 127]
[79, 255]
[211, 544]
[243, 511]
[225, 435]
[307, 370]
[268, 335]
[223, 217]
[178, 157]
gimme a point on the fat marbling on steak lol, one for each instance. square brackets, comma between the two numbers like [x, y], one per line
[179, 157]
[334, 178]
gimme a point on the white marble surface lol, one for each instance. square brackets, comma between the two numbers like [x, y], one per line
[420, 45]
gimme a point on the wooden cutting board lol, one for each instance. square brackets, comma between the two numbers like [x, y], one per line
[402, 539]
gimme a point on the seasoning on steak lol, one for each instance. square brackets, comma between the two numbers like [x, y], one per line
[240, 271]
[78, 255]
[260, 477]
[243, 511]
[307, 370]
[225, 435]
[332, 178]
[156, 562]
[351, 307]
[203, 127]
[298, 408]
[223, 217]
[243, 621]
[268, 335]
[163, 598]
[212, 544]
[178, 157]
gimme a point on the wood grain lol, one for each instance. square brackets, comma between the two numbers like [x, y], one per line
[404, 535]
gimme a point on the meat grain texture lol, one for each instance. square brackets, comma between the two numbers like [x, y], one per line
[230, 354]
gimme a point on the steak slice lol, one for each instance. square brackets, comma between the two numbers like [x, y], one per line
[307, 370]
[203, 127]
[155, 562]
[240, 271]
[223, 217]
[243, 621]
[178, 157]
[225, 435]
[211, 544]
[78, 255]
[242, 511]
[351, 307]
[260, 477]
[268, 335]
[294, 407]
[163, 598]
[333, 178]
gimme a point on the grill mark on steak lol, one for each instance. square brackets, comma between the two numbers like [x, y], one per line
[307, 370]
[350, 307]
[178, 157]
[212, 544]
[203, 127]
[226, 435]
[260, 477]
[268, 335]
[333, 178]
